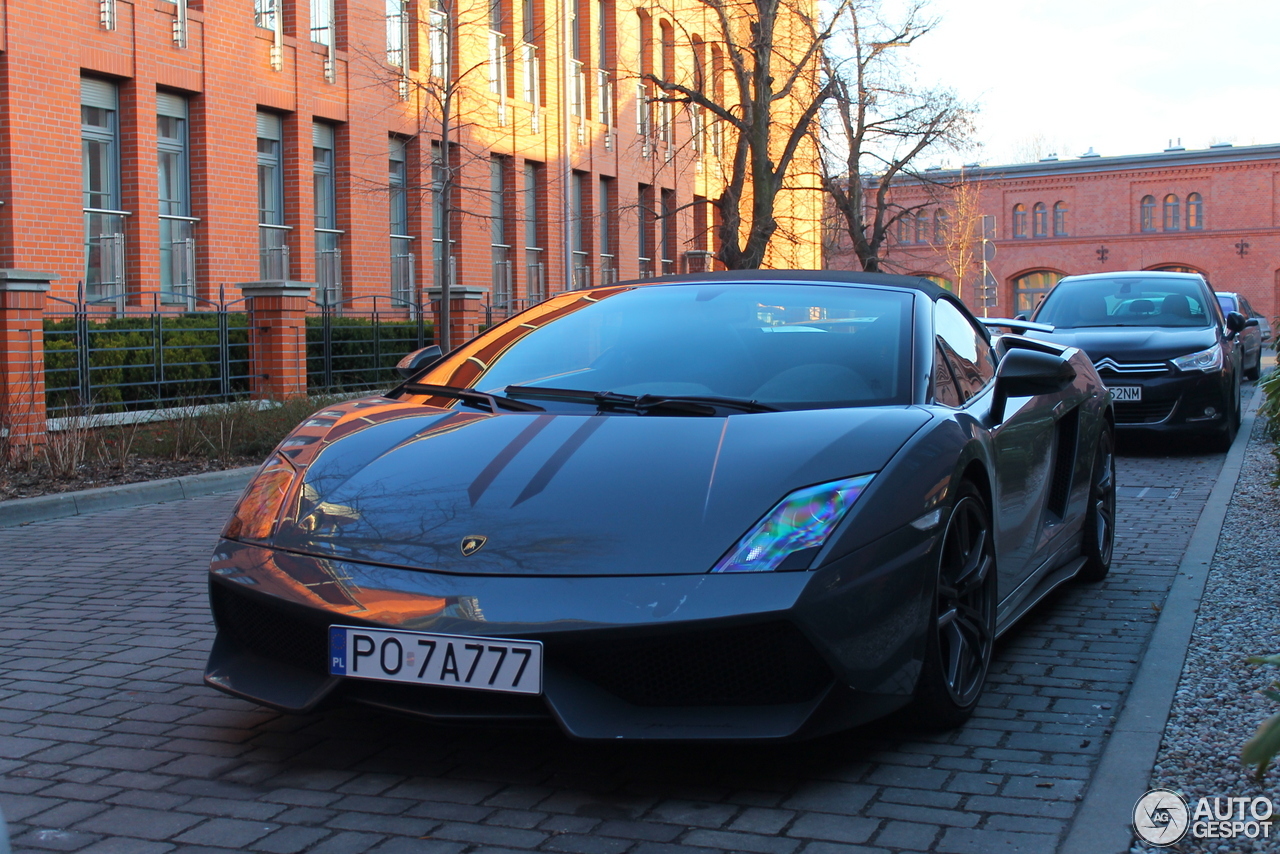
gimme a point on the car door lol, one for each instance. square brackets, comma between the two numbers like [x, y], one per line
[1026, 445]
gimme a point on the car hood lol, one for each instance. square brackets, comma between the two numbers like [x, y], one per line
[556, 494]
[1133, 343]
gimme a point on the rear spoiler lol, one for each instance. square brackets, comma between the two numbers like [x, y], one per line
[1016, 325]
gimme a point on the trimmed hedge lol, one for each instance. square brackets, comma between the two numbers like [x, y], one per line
[126, 373]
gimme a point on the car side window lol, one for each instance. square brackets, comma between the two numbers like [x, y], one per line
[945, 392]
[971, 357]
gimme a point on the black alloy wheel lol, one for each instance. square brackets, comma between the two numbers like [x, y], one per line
[1100, 520]
[961, 634]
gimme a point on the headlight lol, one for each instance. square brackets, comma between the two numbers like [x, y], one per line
[799, 525]
[1206, 360]
[255, 515]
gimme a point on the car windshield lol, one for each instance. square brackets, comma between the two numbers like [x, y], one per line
[1126, 301]
[789, 346]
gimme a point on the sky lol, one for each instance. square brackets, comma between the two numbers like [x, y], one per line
[1120, 76]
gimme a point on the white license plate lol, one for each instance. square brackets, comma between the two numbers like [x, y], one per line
[422, 658]
[1126, 392]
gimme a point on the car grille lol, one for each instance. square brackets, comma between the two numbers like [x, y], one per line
[1141, 412]
[1108, 366]
[271, 632]
[762, 664]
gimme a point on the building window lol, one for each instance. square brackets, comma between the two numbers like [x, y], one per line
[922, 227]
[265, 12]
[668, 234]
[438, 38]
[1040, 220]
[442, 261]
[605, 14]
[501, 279]
[904, 227]
[328, 237]
[1148, 213]
[273, 242]
[534, 199]
[1019, 221]
[645, 221]
[579, 217]
[1060, 219]
[1030, 288]
[606, 217]
[322, 22]
[530, 66]
[1171, 212]
[397, 33]
[940, 223]
[498, 49]
[1195, 212]
[402, 258]
[177, 226]
[940, 281]
[104, 231]
[666, 71]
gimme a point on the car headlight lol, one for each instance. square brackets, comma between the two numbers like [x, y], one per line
[798, 525]
[1206, 360]
[259, 508]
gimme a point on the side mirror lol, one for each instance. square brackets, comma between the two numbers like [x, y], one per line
[1235, 321]
[1019, 316]
[1253, 321]
[419, 359]
[1026, 373]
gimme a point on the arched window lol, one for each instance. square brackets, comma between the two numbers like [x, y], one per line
[1040, 220]
[940, 227]
[904, 228]
[1019, 221]
[940, 281]
[1030, 288]
[1195, 212]
[1060, 219]
[1148, 209]
[922, 227]
[1171, 211]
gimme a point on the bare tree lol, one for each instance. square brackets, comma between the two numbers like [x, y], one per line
[770, 101]
[961, 243]
[878, 124]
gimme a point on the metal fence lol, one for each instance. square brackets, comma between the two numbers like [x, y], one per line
[355, 343]
[109, 355]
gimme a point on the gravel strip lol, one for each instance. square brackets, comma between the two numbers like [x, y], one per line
[1218, 705]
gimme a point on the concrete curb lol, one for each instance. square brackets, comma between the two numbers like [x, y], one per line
[20, 511]
[1104, 822]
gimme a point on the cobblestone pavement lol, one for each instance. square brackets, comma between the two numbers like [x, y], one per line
[109, 742]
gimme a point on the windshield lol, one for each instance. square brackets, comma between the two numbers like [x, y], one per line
[1127, 301]
[786, 345]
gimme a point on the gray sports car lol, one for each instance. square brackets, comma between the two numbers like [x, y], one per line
[728, 506]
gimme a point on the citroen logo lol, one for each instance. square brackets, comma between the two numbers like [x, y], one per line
[472, 543]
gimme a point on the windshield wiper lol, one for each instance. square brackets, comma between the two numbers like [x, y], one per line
[640, 403]
[473, 397]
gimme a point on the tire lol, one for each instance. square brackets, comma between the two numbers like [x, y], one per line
[1256, 370]
[962, 621]
[1227, 435]
[1099, 539]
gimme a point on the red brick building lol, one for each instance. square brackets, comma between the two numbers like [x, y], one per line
[188, 146]
[1215, 211]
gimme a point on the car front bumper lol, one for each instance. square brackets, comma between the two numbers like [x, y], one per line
[771, 655]
[1174, 403]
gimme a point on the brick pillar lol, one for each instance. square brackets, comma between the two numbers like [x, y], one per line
[22, 412]
[278, 337]
[467, 311]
